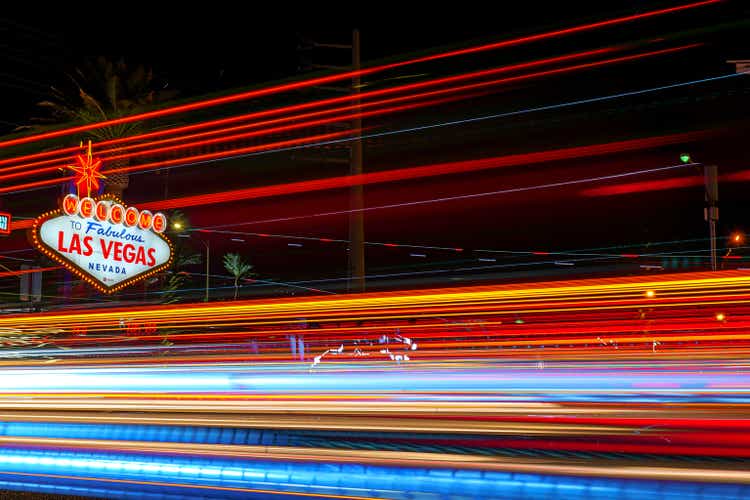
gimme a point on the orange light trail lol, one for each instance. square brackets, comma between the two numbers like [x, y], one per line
[592, 315]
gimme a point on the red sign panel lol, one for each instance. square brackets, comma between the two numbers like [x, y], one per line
[5, 220]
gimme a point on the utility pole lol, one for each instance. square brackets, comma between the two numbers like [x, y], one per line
[31, 283]
[711, 212]
[208, 267]
[356, 251]
[356, 199]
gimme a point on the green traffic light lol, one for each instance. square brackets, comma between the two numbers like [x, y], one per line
[685, 158]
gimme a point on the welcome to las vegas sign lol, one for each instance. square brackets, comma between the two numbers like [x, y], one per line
[104, 242]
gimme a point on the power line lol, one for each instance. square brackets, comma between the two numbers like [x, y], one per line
[461, 197]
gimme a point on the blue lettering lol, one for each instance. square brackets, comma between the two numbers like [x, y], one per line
[111, 233]
[107, 268]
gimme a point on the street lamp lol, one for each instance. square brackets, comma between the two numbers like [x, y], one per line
[737, 238]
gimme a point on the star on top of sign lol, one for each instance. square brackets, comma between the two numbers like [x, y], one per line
[87, 171]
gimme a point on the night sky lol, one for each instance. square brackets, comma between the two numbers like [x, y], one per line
[200, 51]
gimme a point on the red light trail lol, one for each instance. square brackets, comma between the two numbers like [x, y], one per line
[348, 75]
[639, 364]
[662, 184]
[474, 374]
[206, 157]
[644, 186]
[296, 108]
[196, 158]
[20, 272]
[403, 173]
[425, 171]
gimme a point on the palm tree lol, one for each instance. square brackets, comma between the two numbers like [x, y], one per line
[236, 267]
[101, 90]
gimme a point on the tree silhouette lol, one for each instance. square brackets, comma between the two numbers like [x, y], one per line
[103, 89]
[236, 267]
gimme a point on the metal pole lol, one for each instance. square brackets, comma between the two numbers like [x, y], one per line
[711, 212]
[356, 202]
[712, 235]
[208, 267]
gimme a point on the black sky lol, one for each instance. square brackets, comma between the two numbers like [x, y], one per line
[204, 50]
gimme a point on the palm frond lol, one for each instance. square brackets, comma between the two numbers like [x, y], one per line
[102, 89]
[188, 260]
[90, 103]
[111, 90]
[235, 266]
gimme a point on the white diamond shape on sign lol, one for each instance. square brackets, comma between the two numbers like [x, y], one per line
[110, 255]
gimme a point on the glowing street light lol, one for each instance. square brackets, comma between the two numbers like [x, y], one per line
[650, 294]
[736, 239]
[720, 317]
